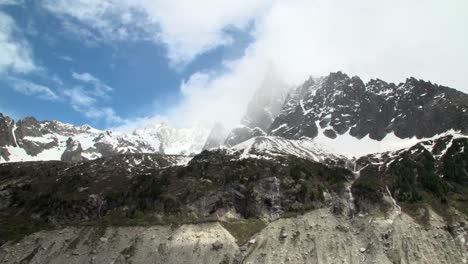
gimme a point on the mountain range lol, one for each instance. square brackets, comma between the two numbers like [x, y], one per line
[32, 140]
[333, 171]
[337, 110]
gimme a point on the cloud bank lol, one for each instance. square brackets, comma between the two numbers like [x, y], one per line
[390, 40]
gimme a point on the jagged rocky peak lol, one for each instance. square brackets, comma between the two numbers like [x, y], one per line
[6, 131]
[338, 104]
[378, 86]
[262, 109]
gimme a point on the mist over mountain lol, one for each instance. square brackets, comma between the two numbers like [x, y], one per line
[262, 109]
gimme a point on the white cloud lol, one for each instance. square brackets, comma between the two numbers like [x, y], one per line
[66, 58]
[223, 97]
[16, 60]
[83, 102]
[85, 77]
[391, 40]
[100, 89]
[386, 39]
[11, 2]
[187, 28]
[32, 89]
[88, 100]
[79, 98]
[15, 52]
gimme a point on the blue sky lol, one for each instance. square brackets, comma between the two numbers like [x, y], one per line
[127, 63]
[141, 79]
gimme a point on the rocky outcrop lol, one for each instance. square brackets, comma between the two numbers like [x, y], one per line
[6, 131]
[7, 137]
[73, 152]
[339, 104]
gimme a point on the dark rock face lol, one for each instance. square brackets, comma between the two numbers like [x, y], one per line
[6, 136]
[338, 104]
[73, 151]
[6, 131]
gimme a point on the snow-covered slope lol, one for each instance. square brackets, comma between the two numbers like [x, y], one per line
[270, 147]
[350, 146]
[171, 140]
[31, 140]
[444, 146]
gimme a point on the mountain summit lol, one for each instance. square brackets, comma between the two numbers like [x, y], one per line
[338, 104]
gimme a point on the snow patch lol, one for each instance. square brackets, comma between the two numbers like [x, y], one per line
[350, 146]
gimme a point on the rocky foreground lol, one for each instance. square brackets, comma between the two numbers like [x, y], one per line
[315, 237]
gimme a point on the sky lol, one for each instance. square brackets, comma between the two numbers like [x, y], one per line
[127, 63]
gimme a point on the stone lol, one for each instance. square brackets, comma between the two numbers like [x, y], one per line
[217, 245]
